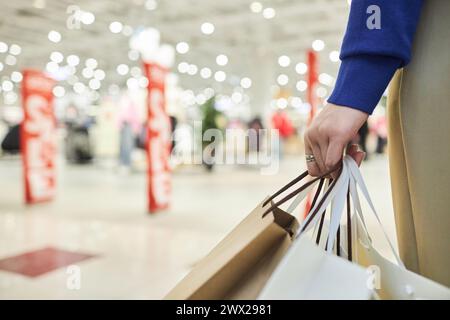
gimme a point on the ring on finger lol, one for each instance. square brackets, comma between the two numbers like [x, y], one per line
[310, 158]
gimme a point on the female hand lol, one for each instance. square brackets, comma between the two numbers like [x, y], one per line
[328, 135]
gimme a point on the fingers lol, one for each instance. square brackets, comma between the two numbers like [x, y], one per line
[335, 152]
[313, 168]
[334, 155]
[358, 155]
[317, 167]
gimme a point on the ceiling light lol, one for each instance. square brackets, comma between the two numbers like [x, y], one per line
[56, 57]
[59, 91]
[73, 60]
[283, 79]
[318, 45]
[1, 66]
[269, 13]
[246, 83]
[301, 85]
[94, 84]
[334, 56]
[116, 27]
[205, 73]
[3, 47]
[91, 63]
[192, 70]
[301, 68]
[7, 85]
[256, 7]
[87, 73]
[122, 69]
[220, 76]
[284, 61]
[54, 36]
[221, 60]
[99, 74]
[183, 67]
[15, 49]
[87, 17]
[182, 47]
[16, 76]
[207, 28]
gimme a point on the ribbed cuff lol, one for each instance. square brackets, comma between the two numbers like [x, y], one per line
[362, 80]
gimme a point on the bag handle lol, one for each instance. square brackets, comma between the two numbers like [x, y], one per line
[319, 208]
[357, 180]
[296, 191]
[338, 236]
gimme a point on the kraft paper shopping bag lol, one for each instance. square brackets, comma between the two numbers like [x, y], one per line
[238, 267]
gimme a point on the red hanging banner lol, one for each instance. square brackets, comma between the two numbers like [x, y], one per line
[312, 82]
[158, 143]
[38, 137]
[311, 57]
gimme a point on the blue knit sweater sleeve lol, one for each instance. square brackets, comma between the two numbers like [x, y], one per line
[377, 42]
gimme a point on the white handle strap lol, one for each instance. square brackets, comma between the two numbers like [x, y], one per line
[337, 207]
[340, 182]
[356, 176]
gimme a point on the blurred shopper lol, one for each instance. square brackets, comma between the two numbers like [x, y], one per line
[363, 134]
[256, 125]
[129, 126]
[380, 128]
[11, 141]
[173, 127]
[378, 42]
[281, 122]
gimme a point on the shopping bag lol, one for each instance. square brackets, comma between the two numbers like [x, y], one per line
[239, 266]
[309, 272]
[390, 280]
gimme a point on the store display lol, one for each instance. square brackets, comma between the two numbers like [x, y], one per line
[38, 137]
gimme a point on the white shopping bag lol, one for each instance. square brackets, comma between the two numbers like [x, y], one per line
[308, 272]
[390, 280]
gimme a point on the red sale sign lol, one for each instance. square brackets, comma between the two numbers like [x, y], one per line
[38, 137]
[159, 139]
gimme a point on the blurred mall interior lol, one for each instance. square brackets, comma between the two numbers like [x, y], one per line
[133, 223]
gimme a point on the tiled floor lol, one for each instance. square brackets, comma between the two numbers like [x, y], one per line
[101, 213]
